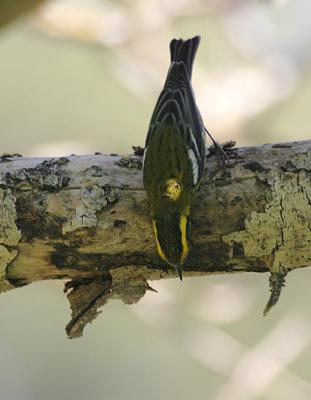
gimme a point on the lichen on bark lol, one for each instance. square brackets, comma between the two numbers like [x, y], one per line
[282, 232]
[9, 235]
[82, 213]
[283, 229]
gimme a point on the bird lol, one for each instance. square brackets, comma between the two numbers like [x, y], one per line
[174, 156]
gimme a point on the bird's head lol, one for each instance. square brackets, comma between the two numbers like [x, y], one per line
[171, 231]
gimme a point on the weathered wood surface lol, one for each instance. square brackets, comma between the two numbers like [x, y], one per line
[87, 218]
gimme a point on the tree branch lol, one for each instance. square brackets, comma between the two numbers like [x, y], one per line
[86, 218]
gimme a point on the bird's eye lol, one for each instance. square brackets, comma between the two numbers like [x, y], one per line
[172, 189]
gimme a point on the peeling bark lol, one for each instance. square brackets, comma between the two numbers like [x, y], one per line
[86, 218]
[9, 235]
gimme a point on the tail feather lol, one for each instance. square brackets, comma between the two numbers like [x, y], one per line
[184, 51]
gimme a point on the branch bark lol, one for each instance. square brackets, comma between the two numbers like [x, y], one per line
[86, 218]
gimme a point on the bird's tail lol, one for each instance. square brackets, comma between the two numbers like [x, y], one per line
[184, 51]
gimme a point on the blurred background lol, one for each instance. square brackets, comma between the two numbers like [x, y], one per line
[83, 76]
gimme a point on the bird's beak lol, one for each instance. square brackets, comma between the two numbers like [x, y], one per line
[179, 270]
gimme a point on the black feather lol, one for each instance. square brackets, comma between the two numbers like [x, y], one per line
[177, 100]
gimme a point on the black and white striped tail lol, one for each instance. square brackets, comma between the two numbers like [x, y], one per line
[185, 51]
[176, 106]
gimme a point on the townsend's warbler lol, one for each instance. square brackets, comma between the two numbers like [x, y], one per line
[174, 155]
